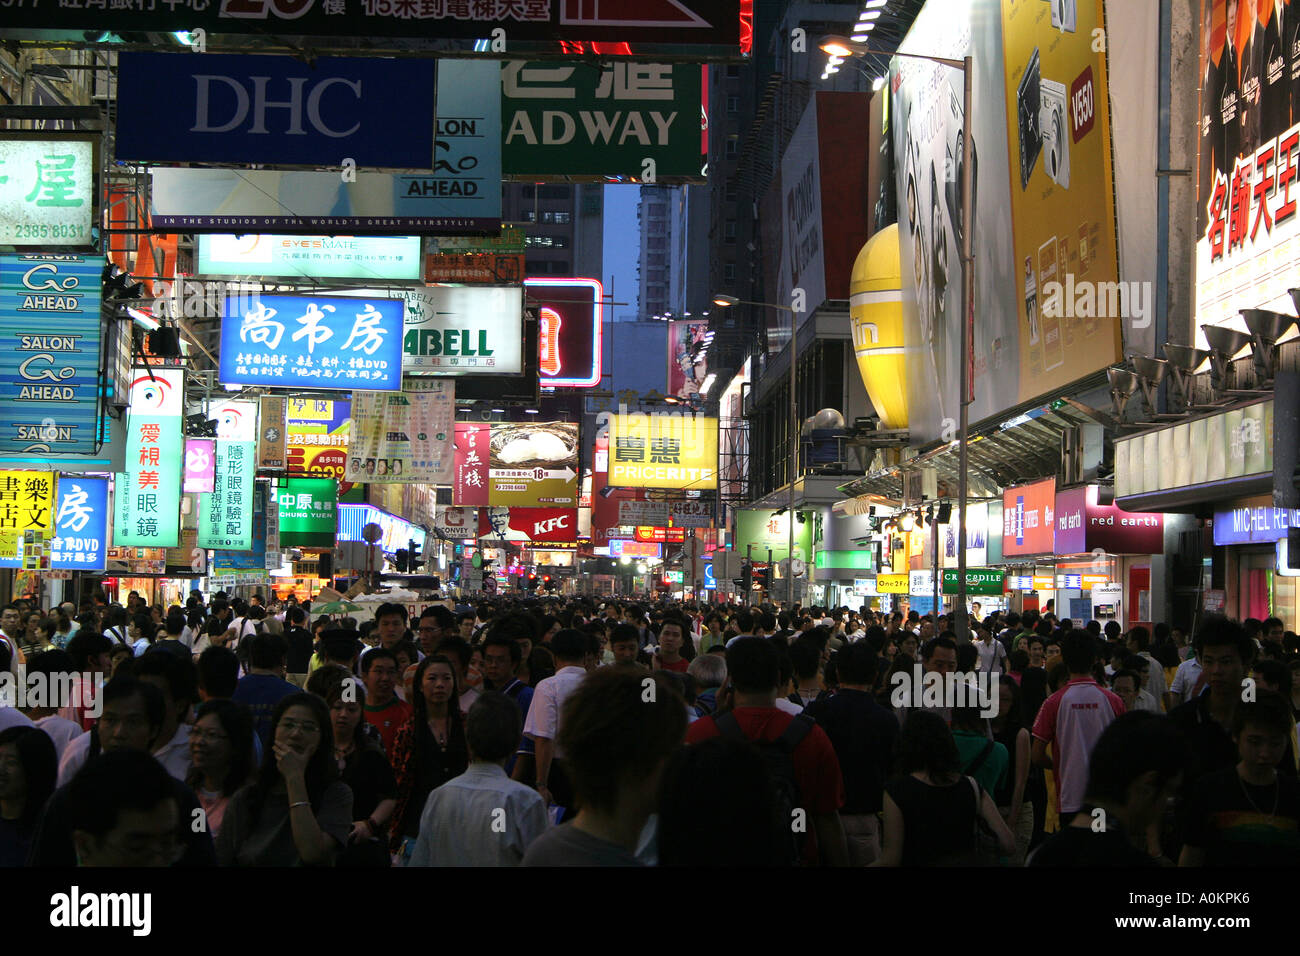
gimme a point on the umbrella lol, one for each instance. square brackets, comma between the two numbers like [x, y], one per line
[336, 607]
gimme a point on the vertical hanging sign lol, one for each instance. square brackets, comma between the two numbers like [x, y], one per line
[147, 496]
[226, 515]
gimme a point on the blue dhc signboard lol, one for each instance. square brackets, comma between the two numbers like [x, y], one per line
[312, 342]
[236, 108]
[49, 353]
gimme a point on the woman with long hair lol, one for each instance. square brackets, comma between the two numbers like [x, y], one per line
[298, 813]
[28, 771]
[221, 757]
[932, 811]
[429, 748]
[364, 767]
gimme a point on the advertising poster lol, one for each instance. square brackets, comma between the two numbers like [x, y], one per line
[533, 465]
[761, 531]
[1071, 306]
[670, 450]
[529, 525]
[688, 343]
[226, 515]
[147, 496]
[317, 435]
[927, 125]
[404, 437]
[49, 350]
[1248, 233]
[1028, 519]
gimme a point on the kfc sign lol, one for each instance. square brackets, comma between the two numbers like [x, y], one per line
[528, 525]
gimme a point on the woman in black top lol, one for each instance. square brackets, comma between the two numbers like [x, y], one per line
[429, 749]
[28, 768]
[364, 767]
[931, 810]
[1012, 799]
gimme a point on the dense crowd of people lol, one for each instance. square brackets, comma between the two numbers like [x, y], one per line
[549, 732]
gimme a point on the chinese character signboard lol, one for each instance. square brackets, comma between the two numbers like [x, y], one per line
[254, 559]
[316, 342]
[225, 515]
[533, 465]
[271, 441]
[569, 329]
[393, 258]
[1248, 182]
[574, 119]
[277, 110]
[46, 191]
[672, 450]
[26, 510]
[404, 437]
[470, 481]
[308, 513]
[491, 268]
[200, 460]
[49, 352]
[318, 437]
[147, 496]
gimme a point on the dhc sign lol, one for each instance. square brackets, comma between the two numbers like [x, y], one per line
[230, 108]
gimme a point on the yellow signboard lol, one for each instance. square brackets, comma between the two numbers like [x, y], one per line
[671, 450]
[26, 504]
[892, 583]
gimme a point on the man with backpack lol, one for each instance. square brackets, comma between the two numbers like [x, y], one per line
[802, 766]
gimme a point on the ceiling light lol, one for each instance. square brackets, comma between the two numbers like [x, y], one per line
[874, 4]
[877, 84]
[908, 521]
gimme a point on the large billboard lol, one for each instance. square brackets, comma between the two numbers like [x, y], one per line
[49, 353]
[1248, 233]
[670, 450]
[403, 437]
[761, 532]
[277, 110]
[375, 258]
[147, 496]
[688, 365]
[579, 119]
[1028, 519]
[314, 342]
[1040, 141]
[316, 435]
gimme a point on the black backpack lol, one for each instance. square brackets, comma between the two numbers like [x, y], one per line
[778, 756]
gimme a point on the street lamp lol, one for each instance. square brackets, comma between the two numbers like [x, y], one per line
[839, 46]
[725, 302]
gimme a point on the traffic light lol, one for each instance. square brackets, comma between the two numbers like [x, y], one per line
[532, 581]
[402, 560]
[414, 559]
[547, 582]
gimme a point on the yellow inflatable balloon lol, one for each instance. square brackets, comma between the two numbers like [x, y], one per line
[876, 312]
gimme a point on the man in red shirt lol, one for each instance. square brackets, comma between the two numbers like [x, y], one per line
[384, 709]
[753, 671]
[669, 656]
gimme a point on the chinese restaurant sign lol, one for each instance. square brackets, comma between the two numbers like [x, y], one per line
[147, 496]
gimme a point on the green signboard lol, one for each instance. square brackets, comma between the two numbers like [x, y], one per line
[849, 560]
[308, 512]
[767, 530]
[47, 194]
[978, 581]
[625, 119]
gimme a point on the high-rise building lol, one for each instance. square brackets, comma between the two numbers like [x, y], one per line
[563, 225]
[654, 266]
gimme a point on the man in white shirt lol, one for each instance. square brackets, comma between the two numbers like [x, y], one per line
[461, 824]
[993, 656]
[1187, 682]
[543, 724]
